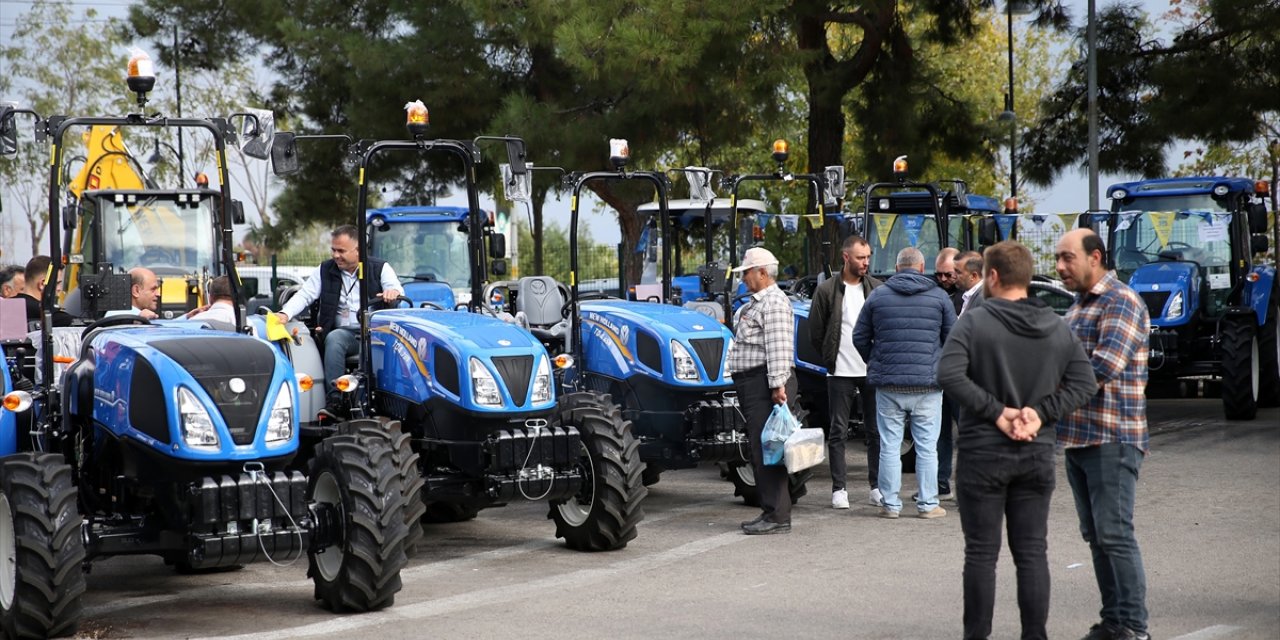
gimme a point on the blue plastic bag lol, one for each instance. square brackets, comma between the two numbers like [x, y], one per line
[773, 439]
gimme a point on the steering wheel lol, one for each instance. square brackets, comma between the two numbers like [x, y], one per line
[113, 321]
[157, 255]
[378, 303]
[427, 304]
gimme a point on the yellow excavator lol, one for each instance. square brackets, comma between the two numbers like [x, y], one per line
[118, 219]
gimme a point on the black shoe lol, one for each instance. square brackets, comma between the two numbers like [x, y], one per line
[747, 523]
[1106, 630]
[764, 528]
[332, 413]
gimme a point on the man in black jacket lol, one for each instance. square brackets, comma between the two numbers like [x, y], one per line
[832, 316]
[1007, 399]
[335, 286]
[36, 278]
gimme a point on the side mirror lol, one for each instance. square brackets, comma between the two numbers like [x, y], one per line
[498, 267]
[988, 232]
[236, 209]
[1257, 218]
[497, 245]
[70, 216]
[284, 153]
[1259, 243]
[258, 133]
[516, 156]
[8, 131]
[833, 185]
[517, 187]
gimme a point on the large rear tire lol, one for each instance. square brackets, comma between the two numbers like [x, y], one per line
[1269, 356]
[603, 515]
[392, 434]
[357, 478]
[1240, 367]
[41, 550]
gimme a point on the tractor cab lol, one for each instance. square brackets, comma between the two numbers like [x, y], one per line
[427, 247]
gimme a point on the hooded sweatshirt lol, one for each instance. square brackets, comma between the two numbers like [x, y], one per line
[1013, 354]
[900, 332]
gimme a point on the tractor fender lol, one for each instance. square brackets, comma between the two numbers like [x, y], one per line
[1258, 293]
[8, 421]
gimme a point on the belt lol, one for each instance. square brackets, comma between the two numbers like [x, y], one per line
[761, 370]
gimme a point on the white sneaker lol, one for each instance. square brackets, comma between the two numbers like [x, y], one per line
[840, 499]
[875, 499]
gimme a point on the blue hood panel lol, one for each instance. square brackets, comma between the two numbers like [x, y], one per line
[438, 292]
[421, 354]
[1158, 283]
[622, 339]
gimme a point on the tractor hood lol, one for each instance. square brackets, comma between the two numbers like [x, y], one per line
[624, 338]
[1168, 288]
[195, 394]
[421, 354]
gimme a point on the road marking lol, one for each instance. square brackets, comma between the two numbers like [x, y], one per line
[496, 595]
[121, 603]
[1207, 633]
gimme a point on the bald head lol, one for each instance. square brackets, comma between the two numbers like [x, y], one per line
[1081, 259]
[144, 289]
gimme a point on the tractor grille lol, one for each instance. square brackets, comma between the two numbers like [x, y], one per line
[515, 372]
[709, 351]
[1155, 302]
[214, 363]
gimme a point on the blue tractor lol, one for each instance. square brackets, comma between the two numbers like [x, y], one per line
[129, 438]
[1190, 248]
[663, 363]
[469, 400]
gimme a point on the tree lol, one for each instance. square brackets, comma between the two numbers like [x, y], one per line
[56, 63]
[1214, 81]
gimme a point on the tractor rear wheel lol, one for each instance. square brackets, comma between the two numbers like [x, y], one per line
[41, 550]
[356, 479]
[1269, 356]
[1240, 367]
[392, 434]
[604, 513]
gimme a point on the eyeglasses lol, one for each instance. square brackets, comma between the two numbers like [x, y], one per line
[946, 274]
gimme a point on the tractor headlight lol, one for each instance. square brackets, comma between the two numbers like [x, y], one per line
[280, 422]
[542, 382]
[197, 425]
[484, 389]
[1175, 306]
[685, 367]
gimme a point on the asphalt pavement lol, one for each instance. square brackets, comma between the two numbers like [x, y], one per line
[1208, 522]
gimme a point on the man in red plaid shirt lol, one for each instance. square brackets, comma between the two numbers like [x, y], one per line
[1107, 439]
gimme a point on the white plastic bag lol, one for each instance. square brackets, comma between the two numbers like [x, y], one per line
[805, 448]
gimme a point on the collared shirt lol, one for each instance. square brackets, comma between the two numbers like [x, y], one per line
[219, 311]
[348, 299]
[765, 336]
[1112, 324]
[968, 297]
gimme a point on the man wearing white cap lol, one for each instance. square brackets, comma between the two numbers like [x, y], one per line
[761, 362]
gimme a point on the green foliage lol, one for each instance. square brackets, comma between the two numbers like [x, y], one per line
[595, 260]
[1214, 81]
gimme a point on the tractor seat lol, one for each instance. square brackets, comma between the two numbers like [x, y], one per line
[540, 302]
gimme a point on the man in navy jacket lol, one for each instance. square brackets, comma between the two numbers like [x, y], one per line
[900, 334]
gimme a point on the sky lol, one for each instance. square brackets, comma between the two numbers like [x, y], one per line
[1068, 194]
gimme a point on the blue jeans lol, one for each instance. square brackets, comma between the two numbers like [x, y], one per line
[1104, 481]
[924, 412]
[338, 344]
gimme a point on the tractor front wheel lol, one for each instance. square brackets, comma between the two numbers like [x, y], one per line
[1269, 356]
[1240, 368]
[354, 480]
[41, 550]
[603, 515]
[405, 458]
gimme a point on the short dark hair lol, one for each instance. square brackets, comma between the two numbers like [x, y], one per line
[348, 230]
[852, 241]
[970, 261]
[219, 288]
[1012, 260]
[1091, 242]
[37, 266]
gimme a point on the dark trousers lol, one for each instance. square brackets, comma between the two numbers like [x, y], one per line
[841, 392]
[1104, 481]
[1008, 484]
[946, 443]
[756, 399]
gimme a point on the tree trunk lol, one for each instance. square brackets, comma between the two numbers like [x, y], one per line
[539, 199]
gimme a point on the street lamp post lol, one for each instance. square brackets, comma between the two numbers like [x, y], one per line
[1012, 7]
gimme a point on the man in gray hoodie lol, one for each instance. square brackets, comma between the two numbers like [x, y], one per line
[1014, 367]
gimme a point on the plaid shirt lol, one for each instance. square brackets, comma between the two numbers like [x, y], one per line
[765, 336]
[1112, 324]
